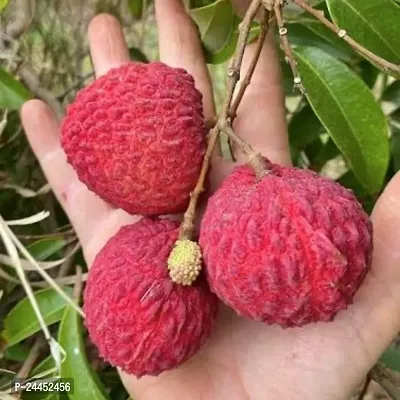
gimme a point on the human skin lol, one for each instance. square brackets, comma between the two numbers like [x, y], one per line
[243, 359]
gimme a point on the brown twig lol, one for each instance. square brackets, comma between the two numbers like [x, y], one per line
[187, 225]
[255, 159]
[67, 280]
[247, 79]
[236, 63]
[30, 361]
[62, 235]
[384, 64]
[365, 387]
[78, 284]
[387, 380]
[286, 45]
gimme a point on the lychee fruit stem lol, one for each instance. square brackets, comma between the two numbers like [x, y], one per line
[187, 226]
[256, 161]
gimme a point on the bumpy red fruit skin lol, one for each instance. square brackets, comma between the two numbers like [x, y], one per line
[290, 249]
[136, 137]
[138, 318]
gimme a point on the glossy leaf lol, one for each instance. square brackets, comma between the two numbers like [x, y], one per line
[391, 358]
[368, 73]
[18, 352]
[349, 112]
[21, 321]
[392, 93]
[86, 385]
[395, 116]
[217, 24]
[327, 152]
[44, 248]
[350, 181]
[395, 148]
[137, 55]
[12, 92]
[304, 128]
[373, 23]
[313, 33]
[292, 10]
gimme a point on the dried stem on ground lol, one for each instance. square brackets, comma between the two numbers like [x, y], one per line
[365, 387]
[384, 64]
[30, 361]
[387, 380]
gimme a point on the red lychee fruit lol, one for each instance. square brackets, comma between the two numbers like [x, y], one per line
[136, 137]
[288, 249]
[138, 318]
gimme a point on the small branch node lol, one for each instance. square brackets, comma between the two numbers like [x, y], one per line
[379, 61]
[283, 31]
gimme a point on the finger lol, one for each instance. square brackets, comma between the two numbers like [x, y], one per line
[261, 115]
[107, 44]
[83, 207]
[180, 46]
[377, 309]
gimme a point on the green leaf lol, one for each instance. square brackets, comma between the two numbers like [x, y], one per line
[44, 248]
[218, 26]
[349, 112]
[395, 116]
[45, 365]
[392, 93]
[395, 147]
[87, 386]
[368, 72]
[350, 181]
[21, 321]
[12, 93]
[372, 23]
[137, 7]
[313, 33]
[3, 4]
[18, 352]
[137, 55]
[327, 152]
[217, 23]
[391, 358]
[304, 128]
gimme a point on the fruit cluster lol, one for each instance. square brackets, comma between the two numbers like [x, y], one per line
[287, 248]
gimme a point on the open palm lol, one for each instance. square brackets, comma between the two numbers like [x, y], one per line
[243, 359]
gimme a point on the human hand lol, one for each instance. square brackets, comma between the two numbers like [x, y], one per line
[242, 359]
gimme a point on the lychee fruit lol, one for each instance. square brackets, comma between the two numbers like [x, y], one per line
[138, 318]
[136, 137]
[290, 248]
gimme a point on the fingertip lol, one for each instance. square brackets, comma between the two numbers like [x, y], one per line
[386, 225]
[107, 43]
[41, 127]
[100, 23]
[31, 108]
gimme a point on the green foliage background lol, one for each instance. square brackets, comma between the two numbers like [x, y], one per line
[346, 126]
